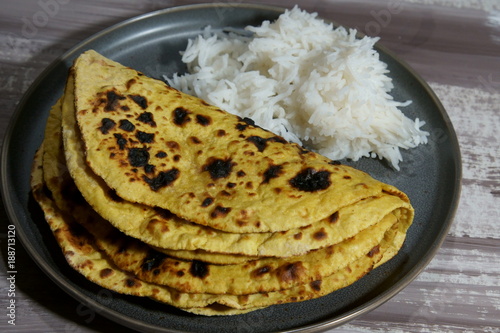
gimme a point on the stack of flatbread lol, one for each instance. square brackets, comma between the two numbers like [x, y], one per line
[152, 192]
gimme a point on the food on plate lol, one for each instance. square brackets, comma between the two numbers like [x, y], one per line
[130, 255]
[82, 253]
[199, 162]
[162, 229]
[152, 192]
[307, 81]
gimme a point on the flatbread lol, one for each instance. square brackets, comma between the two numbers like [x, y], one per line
[154, 145]
[164, 230]
[265, 222]
[83, 255]
[262, 275]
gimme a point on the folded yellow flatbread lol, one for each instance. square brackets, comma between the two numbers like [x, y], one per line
[157, 146]
[182, 202]
[80, 249]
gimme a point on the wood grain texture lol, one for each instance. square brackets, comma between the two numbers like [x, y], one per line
[454, 45]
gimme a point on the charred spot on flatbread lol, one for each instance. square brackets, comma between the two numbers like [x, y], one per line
[161, 154]
[181, 116]
[320, 234]
[220, 211]
[149, 168]
[120, 141]
[163, 179]
[311, 180]
[291, 271]
[203, 120]
[105, 273]
[195, 140]
[218, 167]
[147, 118]
[374, 251]
[261, 143]
[106, 125]
[173, 145]
[258, 141]
[132, 283]
[144, 137]
[207, 202]
[126, 125]
[244, 123]
[130, 83]
[139, 100]
[153, 260]
[316, 285]
[199, 269]
[274, 171]
[138, 157]
[334, 217]
[261, 271]
[112, 100]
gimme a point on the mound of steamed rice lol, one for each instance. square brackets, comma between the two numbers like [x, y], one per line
[307, 81]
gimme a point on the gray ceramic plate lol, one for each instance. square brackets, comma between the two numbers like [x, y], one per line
[151, 43]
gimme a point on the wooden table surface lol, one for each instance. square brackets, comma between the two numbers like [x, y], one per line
[453, 45]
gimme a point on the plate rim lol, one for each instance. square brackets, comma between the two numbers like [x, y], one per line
[116, 316]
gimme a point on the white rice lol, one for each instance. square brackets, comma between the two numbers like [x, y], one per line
[307, 81]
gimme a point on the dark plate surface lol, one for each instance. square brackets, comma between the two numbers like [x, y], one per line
[430, 175]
